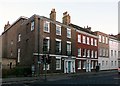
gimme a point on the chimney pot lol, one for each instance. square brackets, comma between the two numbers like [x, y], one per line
[53, 15]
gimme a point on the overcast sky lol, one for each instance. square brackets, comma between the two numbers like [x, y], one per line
[100, 15]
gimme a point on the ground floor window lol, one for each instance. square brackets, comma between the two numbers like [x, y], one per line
[79, 64]
[84, 64]
[47, 66]
[92, 64]
[58, 64]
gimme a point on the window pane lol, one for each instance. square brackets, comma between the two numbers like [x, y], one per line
[68, 33]
[46, 26]
[32, 25]
[58, 30]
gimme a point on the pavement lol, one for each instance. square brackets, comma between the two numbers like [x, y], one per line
[51, 77]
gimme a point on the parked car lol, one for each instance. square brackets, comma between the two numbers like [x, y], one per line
[118, 70]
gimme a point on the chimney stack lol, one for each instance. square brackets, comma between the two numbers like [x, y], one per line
[6, 26]
[53, 15]
[66, 18]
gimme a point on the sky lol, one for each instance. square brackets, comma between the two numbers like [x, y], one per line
[100, 15]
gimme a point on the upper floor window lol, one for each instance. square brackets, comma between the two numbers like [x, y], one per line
[18, 57]
[79, 38]
[46, 26]
[58, 46]
[103, 39]
[111, 52]
[95, 42]
[106, 40]
[84, 39]
[91, 41]
[58, 30]
[88, 42]
[115, 53]
[88, 53]
[102, 63]
[84, 52]
[106, 52]
[32, 25]
[19, 37]
[68, 48]
[46, 44]
[68, 33]
[100, 38]
[92, 54]
[103, 52]
[79, 52]
[118, 53]
[95, 54]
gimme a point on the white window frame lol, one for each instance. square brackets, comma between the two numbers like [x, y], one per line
[84, 39]
[106, 40]
[68, 42]
[96, 63]
[48, 24]
[115, 63]
[103, 39]
[92, 54]
[79, 64]
[79, 38]
[79, 52]
[19, 37]
[48, 38]
[100, 51]
[84, 64]
[111, 63]
[88, 40]
[95, 54]
[88, 53]
[18, 57]
[115, 52]
[111, 53]
[58, 28]
[84, 52]
[92, 64]
[47, 65]
[95, 42]
[91, 41]
[32, 25]
[60, 43]
[106, 63]
[102, 63]
[104, 52]
[57, 58]
[68, 32]
[100, 38]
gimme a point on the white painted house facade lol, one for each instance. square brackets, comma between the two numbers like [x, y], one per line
[113, 52]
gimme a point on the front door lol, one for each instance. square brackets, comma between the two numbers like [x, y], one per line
[69, 66]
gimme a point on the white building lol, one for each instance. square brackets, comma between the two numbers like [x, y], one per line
[0, 51]
[119, 54]
[103, 48]
[113, 52]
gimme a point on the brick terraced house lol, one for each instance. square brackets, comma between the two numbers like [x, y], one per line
[87, 49]
[29, 40]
